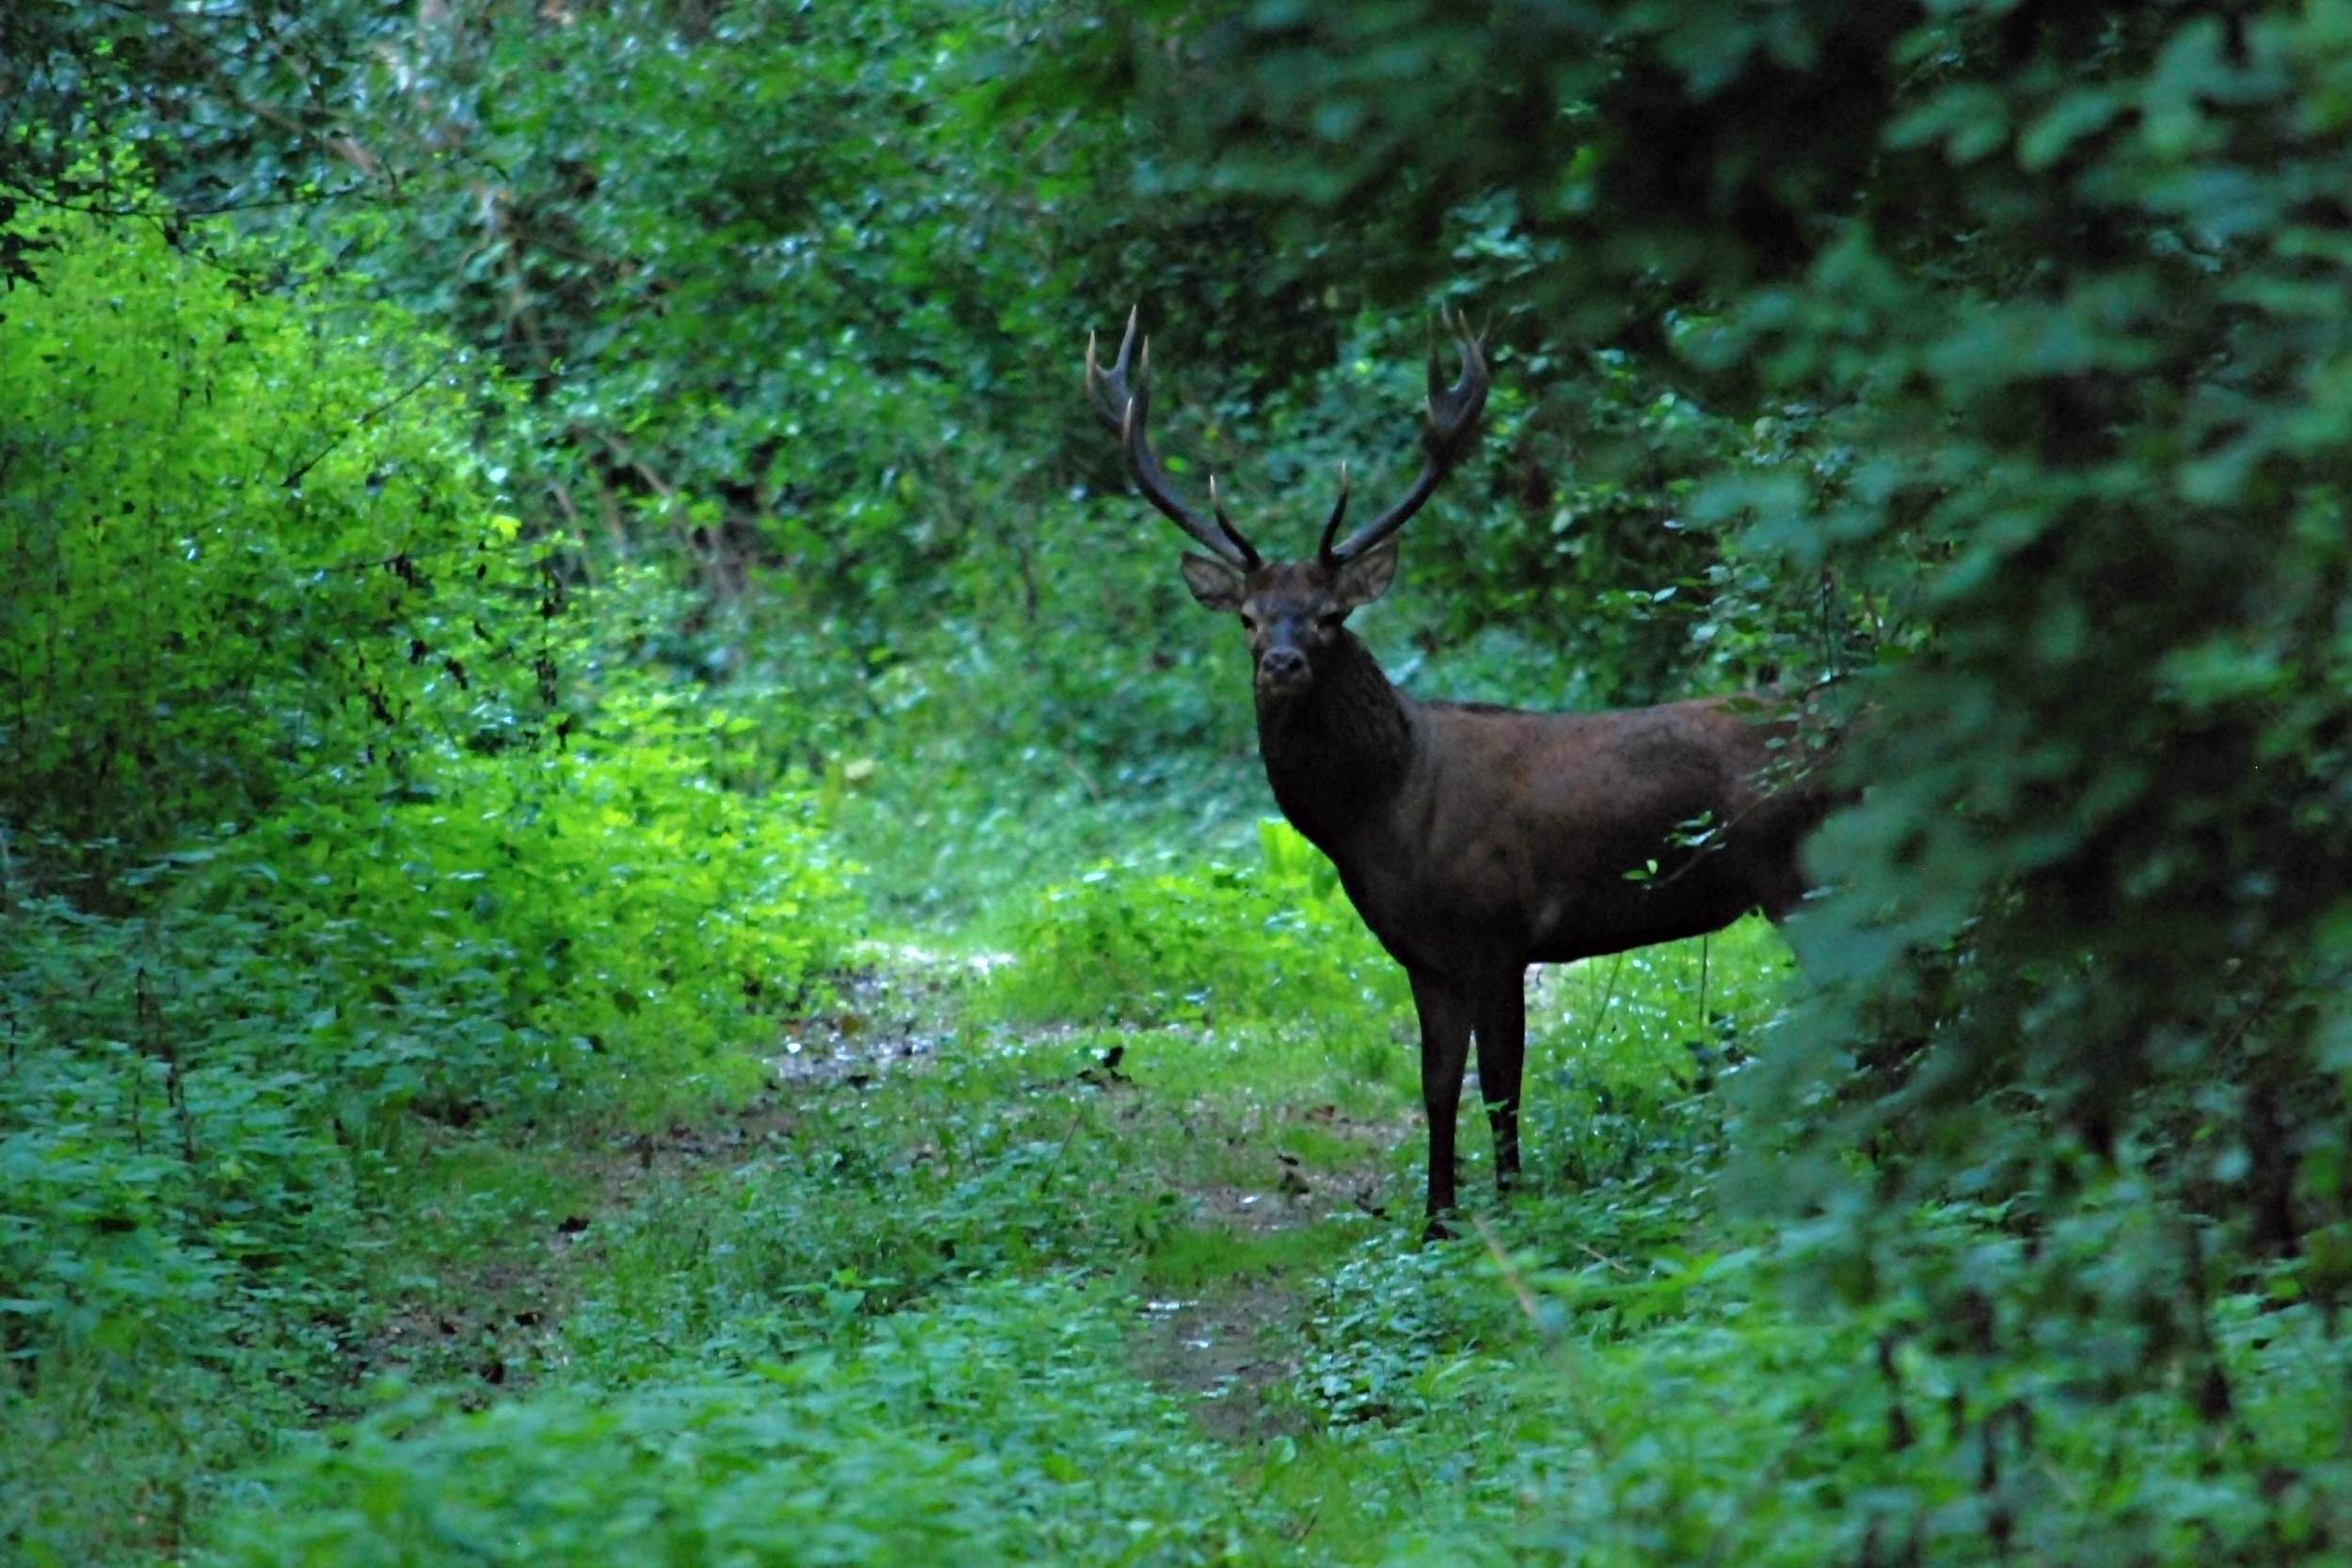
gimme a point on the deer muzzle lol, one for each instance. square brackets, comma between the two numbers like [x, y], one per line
[1282, 672]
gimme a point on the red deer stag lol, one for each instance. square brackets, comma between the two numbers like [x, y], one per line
[1473, 840]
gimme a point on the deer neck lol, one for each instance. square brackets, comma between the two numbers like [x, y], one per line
[1335, 753]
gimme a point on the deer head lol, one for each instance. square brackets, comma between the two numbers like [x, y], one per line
[1292, 610]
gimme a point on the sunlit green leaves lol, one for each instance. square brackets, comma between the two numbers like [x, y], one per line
[1226, 945]
[358, 831]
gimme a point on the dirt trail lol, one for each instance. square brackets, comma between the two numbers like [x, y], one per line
[1221, 1353]
[1231, 1346]
[1227, 1346]
[492, 1318]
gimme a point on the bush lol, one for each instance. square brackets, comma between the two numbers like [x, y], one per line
[322, 806]
[602, 923]
[247, 544]
[1136, 944]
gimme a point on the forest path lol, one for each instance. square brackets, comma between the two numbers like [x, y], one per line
[482, 1306]
[1254, 1168]
[1263, 1183]
[1229, 1308]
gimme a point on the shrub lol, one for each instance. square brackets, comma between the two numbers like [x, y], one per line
[246, 546]
[1140, 943]
[320, 806]
[601, 924]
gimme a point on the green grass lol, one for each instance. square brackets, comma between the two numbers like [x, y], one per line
[1201, 1257]
[466, 1201]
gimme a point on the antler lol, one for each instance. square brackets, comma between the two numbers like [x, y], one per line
[1123, 411]
[1453, 430]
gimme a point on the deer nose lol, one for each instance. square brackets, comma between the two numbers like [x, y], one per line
[1282, 667]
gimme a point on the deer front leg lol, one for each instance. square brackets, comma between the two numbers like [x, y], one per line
[1501, 1019]
[1445, 1029]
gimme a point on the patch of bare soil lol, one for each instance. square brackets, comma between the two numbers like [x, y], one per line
[1227, 1350]
[485, 1325]
[1223, 1353]
[885, 1017]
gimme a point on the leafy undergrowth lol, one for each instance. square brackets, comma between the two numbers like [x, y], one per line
[1269, 941]
[961, 1290]
[1081, 1293]
[941, 1434]
[354, 890]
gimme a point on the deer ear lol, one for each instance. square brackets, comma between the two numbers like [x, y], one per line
[1214, 582]
[1366, 577]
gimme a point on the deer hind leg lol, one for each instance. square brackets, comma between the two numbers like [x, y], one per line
[1501, 1019]
[1445, 1030]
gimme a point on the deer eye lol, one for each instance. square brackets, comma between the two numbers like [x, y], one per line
[1330, 619]
[1248, 622]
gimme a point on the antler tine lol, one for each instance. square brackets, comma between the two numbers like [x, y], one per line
[1225, 525]
[1338, 510]
[1451, 431]
[1434, 374]
[1110, 405]
[1125, 411]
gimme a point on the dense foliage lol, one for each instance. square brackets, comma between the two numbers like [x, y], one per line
[323, 814]
[1266, 942]
[529, 527]
[2051, 302]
